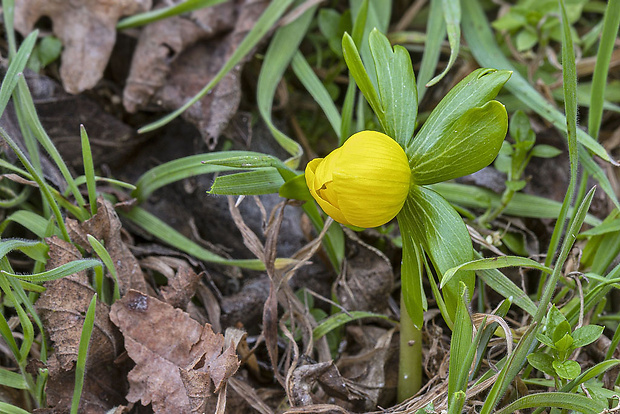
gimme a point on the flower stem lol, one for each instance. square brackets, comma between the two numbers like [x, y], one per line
[410, 363]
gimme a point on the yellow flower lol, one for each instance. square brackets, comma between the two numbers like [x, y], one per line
[364, 183]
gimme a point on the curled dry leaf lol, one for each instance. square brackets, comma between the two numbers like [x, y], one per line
[87, 30]
[182, 280]
[175, 58]
[106, 226]
[62, 308]
[174, 355]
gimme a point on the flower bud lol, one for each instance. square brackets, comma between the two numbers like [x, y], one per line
[364, 183]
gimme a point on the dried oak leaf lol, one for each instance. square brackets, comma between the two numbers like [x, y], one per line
[168, 346]
[62, 308]
[106, 226]
[175, 58]
[87, 29]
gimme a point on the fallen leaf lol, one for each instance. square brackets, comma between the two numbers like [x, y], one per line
[62, 308]
[87, 30]
[177, 57]
[182, 280]
[164, 342]
[106, 226]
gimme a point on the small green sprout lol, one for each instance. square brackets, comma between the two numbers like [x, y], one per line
[562, 341]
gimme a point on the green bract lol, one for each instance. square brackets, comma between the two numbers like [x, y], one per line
[463, 134]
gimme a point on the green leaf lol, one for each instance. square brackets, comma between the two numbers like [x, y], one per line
[516, 185]
[435, 33]
[603, 228]
[313, 84]
[295, 189]
[586, 335]
[359, 73]
[282, 48]
[467, 145]
[80, 364]
[545, 151]
[11, 409]
[452, 16]
[564, 343]
[476, 90]
[542, 362]
[339, 319]
[575, 402]
[544, 339]
[56, 273]
[567, 369]
[12, 379]
[482, 42]
[333, 25]
[397, 88]
[186, 6]
[256, 182]
[460, 345]
[438, 228]
[493, 263]
[411, 271]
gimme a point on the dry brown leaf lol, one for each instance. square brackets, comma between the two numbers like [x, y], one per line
[87, 29]
[106, 226]
[177, 57]
[164, 342]
[182, 280]
[62, 308]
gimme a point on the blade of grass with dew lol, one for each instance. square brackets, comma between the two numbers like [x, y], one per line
[452, 16]
[15, 69]
[42, 185]
[107, 261]
[435, 33]
[186, 6]
[265, 22]
[170, 236]
[313, 84]
[80, 364]
[494, 263]
[518, 358]
[282, 48]
[340, 319]
[257, 182]
[180, 169]
[611, 22]
[56, 273]
[32, 119]
[575, 402]
[89, 170]
[522, 205]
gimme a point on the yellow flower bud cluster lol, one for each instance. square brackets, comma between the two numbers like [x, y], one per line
[363, 183]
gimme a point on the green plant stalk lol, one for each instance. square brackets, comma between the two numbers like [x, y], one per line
[410, 362]
[80, 365]
[42, 185]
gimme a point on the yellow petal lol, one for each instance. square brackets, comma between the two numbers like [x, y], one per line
[364, 183]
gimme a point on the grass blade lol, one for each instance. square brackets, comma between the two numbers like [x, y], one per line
[89, 171]
[611, 22]
[435, 33]
[452, 16]
[575, 402]
[80, 365]
[159, 14]
[283, 47]
[107, 261]
[313, 84]
[56, 273]
[340, 319]
[16, 67]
